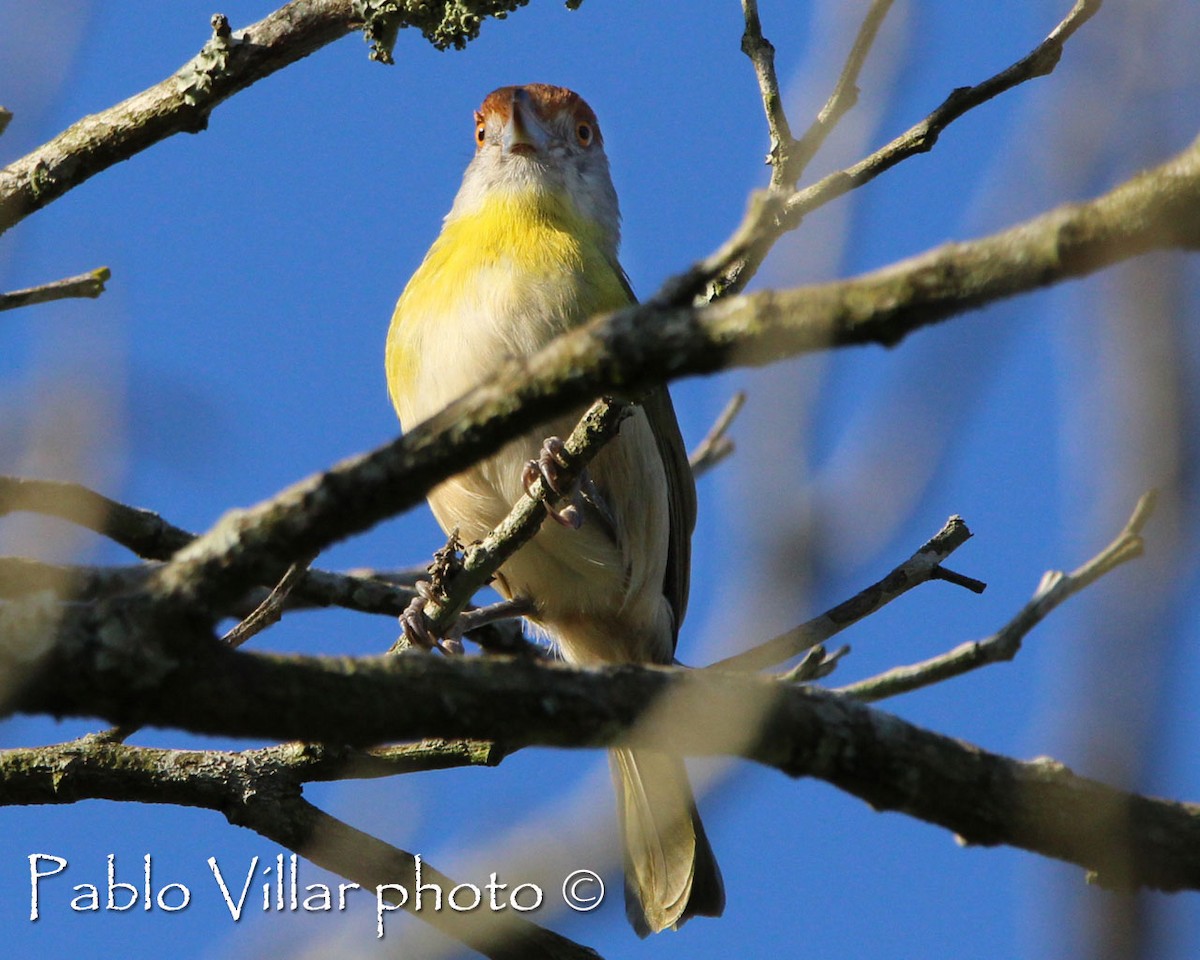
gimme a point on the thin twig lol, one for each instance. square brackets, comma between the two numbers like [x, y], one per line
[917, 569]
[270, 610]
[959, 580]
[922, 136]
[716, 445]
[1054, 588]
[816, 665]
[496, 628]
[452, 593]
[762, 54]
[84, 285]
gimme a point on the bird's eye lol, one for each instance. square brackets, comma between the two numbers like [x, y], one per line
[584, 133]
[480, 134]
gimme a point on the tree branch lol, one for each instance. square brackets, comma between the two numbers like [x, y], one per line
[84, 285]
[985, 798]
[917, 569]
[270, 610]
[260, 790]
[144, 533]
[1005, 644]
[842, 99]
[762, 54]
[716, 445]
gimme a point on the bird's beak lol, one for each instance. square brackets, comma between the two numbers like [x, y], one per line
[523, 133]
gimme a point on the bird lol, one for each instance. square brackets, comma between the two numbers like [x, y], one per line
[527, 252]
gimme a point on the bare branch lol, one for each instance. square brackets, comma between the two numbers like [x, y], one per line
[5, 117]
[816, 665]
[364, 592]
[773, 213]
[762, 54]
[890, 763]
[84, 285]
[917, 569]
[716, 445]
[151, 537]
[1005, 644]
[922, 137]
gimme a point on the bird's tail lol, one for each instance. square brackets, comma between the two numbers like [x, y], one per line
[670, 871]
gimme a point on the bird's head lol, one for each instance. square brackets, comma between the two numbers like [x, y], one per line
[542, 140]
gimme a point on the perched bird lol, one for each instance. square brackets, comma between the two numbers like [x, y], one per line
[528, 251]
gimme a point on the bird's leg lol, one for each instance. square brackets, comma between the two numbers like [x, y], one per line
[550, 465]
[493, 613]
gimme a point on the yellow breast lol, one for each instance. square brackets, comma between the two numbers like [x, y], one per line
[498, 282]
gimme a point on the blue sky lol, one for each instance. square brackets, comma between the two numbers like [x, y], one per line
[239, 347]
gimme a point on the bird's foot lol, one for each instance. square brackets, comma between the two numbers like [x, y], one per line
[415, 625]
[550, 465]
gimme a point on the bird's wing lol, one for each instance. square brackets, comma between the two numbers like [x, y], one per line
[681, 497]
[681, 488]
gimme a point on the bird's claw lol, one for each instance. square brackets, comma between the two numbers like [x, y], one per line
[415, 624]
[549, 465]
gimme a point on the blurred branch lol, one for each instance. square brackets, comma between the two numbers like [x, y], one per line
[5, 117]
[336, 846]
[229, 62]
[893, 765]
[917, 569]
[841, 100]
[144, 533]
[816, 665]
[774, 212]
[22, 576]
[85, 285]
[1004, 645]
[261, 790]
[716, 445]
